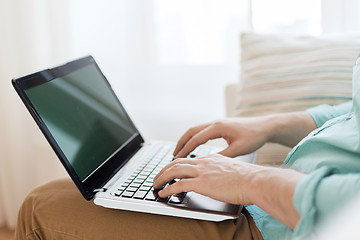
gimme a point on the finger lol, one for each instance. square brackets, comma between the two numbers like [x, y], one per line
[177, 171]
[176, 161]
[187, 136]
[200, 138]
[183, 185]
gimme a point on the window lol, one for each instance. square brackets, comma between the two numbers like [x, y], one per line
[287, 16]
[199, 31]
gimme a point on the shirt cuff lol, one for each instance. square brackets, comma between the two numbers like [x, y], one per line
[304, 200]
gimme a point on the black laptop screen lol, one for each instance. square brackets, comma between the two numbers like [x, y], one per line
[84, 117]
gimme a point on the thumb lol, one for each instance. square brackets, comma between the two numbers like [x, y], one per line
[231, 151]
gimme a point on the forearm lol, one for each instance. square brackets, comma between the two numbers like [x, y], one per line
[272, 189]
[289, 128]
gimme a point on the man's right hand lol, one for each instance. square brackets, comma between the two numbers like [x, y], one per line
[243, 135]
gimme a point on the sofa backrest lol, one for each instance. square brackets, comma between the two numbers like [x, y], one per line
[292, 73]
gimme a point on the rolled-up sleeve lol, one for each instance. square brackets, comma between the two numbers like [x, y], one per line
[321, 193]
[323, 113]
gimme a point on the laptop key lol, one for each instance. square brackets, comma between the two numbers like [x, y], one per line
[151, 196]
[135, 185]
[117, 193]
[145, 188]
[149, 182]
[180, 195]
[176, 200]
[159, 199]
[162, 199]
[127, 194]
[131, 189]
[140, 178]
[138, 181]
[140, 194]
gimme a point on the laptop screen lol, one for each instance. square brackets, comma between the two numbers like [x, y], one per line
[84, 117]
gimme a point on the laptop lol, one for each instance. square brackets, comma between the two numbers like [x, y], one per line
[100, 147]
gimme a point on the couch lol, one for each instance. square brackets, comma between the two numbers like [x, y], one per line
[290, 73]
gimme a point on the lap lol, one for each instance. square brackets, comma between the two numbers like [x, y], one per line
[58, 211]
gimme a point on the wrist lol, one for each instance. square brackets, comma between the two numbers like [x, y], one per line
[289, 128]
[272, 124]
[255, 183]
[255, 186]
[272, 189]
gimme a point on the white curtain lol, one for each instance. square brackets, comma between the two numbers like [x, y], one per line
[287, 16]
[169, 62]
[340, 16]
[33, 34]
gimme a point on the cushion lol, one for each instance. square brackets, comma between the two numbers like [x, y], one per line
[292, 73]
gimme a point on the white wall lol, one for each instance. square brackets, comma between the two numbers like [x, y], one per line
[169, 74]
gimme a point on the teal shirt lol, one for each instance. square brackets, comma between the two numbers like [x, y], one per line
[330, 155]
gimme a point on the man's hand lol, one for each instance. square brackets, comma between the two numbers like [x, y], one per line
[243, 135]
[236, 182]
[246, 135]
[216, 176]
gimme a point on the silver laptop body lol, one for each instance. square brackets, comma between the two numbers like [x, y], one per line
[100, 147]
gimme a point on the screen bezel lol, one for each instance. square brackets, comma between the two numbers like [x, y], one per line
[107, 170]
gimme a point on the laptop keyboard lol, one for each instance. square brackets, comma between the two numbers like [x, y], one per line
[140, 184]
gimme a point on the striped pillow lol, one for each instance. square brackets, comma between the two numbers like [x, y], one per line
[292, 73]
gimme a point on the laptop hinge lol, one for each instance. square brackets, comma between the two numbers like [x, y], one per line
[100, 190]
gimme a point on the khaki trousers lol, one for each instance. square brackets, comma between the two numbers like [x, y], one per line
[58, 211]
